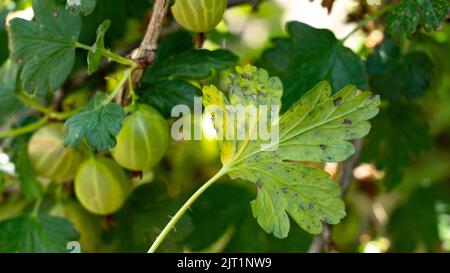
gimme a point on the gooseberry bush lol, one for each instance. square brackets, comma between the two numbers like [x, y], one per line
[87, 90]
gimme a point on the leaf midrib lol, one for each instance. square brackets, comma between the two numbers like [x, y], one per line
[234, 163]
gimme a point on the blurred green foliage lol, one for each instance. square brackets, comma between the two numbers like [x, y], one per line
[400, 203]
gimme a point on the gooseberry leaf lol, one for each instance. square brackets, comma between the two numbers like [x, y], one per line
[29, 184]
[308, 56]
[409, 15]
[234, 219]
[104, 10]
[8, 87]
[316, 128]
[172, 44]
[88, 225]
[95, 54]
[36, 234]
[422, 204]
[394, 75]
[84, 7]
[98, 122]
[166, 84]
[4, 53]
[193, 64]
[45, 46]
[400, 132]
[165, 94]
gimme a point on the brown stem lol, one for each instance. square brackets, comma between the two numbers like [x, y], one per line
[323, 242]
[348, 166]
[145, 55]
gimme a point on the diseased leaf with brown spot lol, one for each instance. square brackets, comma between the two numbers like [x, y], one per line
[317, 128]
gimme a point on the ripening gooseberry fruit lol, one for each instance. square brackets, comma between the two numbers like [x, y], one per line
[143, 139]
[48, 157]
[199, 15]
[101, 185]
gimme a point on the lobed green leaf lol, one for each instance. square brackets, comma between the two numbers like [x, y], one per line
[38, 234]
[308, 56]
[165, 94]
[45, 47]
[166, 83]
[409, 15]
[400, 133]
[233, 221]
[98, 122]
[29, 185]
[394, 75]
[11, 104]
[96, 52]
[193, 64]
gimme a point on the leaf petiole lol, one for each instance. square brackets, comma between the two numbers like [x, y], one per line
[120, 85]
[36, 207]
[25, 129]
[26, 99]
[119, 59]
[184, 208]
[50, 113]
[109, 54]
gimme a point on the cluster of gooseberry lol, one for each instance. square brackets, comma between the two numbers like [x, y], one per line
[101, 183]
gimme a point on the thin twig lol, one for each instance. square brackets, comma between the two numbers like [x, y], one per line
[348, 166]
[145, 55]
[323, 241]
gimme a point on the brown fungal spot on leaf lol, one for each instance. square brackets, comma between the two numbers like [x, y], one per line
[322, 147]
[347, 122]
[337, 101]
[285, 190]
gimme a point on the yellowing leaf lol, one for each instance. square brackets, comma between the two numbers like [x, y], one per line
[318, 128]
